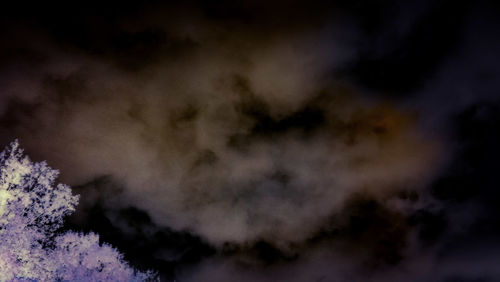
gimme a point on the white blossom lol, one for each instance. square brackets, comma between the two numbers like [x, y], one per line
[32, 209]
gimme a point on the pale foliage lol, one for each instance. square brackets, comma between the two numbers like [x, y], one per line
[32, 208]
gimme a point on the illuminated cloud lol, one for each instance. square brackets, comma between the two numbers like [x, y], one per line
[251, 141]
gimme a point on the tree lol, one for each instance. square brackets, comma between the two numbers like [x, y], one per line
[32, 209]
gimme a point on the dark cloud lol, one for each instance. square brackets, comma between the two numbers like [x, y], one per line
[402, 53]
[144, 244]
[256, 141]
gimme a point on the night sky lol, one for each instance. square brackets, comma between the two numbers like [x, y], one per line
[268, 140]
